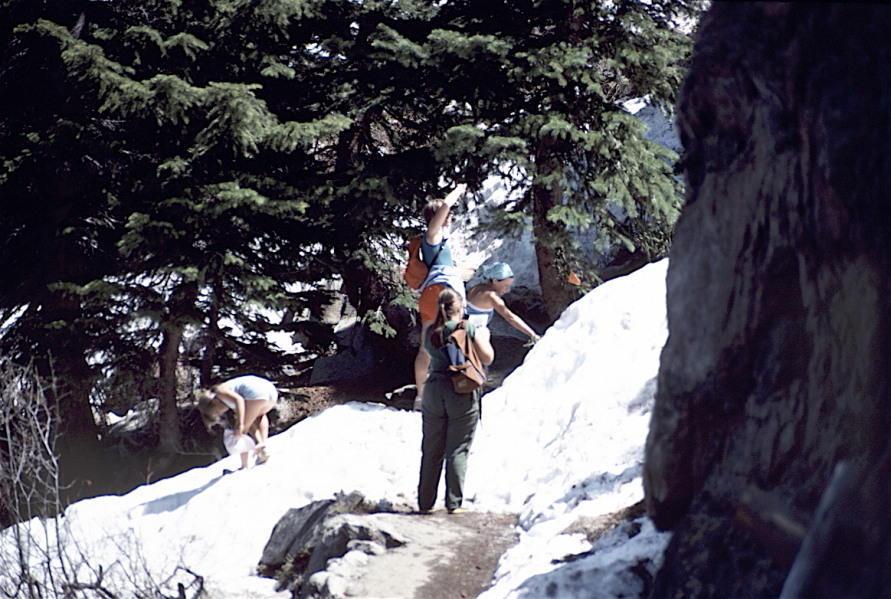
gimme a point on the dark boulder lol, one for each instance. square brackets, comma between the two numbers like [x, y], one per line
[305, 539]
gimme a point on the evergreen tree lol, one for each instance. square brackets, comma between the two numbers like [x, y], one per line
[539, 86]
[171, 169]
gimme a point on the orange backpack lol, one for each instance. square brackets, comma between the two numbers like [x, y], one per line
[416, 270]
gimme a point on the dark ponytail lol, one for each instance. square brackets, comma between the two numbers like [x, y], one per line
[449, 307]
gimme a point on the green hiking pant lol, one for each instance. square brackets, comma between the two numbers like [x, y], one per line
[449, 424]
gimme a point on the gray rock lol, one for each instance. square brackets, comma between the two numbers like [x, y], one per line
[299, 530]
[366, 547]
[402, 396]
[349, 364]
[296, 531]
[527, 303]
[306, 541]
[337, 533]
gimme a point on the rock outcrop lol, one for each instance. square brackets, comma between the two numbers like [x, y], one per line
[776, 370]
[304, 542]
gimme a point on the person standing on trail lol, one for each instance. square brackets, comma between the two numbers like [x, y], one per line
[442, 274]
[250, 398]
[484, 299]
[449, 417]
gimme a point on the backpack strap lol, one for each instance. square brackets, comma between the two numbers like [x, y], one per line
[436, 255]
[462, 324]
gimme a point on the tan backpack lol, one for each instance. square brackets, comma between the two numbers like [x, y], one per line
[467, 370]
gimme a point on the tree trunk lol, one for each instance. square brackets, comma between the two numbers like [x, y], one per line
[776, 369]
[211, 340]
[553, 268]
[168, 415]
[65, 363]
[81, 467]
[180, 305]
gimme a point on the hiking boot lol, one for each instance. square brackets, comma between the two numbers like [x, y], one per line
[458, 510]
[426, 512]
[262, 456]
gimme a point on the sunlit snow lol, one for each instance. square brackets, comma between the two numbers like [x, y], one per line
[561, 439]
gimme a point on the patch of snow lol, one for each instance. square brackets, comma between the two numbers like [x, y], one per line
[562, 439]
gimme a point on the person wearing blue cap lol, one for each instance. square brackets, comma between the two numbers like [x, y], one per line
[484, 300]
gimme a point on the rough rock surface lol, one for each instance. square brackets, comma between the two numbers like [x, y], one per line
[776, 368]
[300, 531]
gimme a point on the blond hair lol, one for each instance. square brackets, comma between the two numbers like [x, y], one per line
[205, 398]
[450, 306]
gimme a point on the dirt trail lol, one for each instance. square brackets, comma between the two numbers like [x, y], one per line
[447, 557]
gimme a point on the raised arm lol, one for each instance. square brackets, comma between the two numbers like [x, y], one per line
[511, 318]
[434, 229]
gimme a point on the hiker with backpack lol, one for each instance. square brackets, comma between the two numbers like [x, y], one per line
[484, 299]
[441, 273]
[449, 416]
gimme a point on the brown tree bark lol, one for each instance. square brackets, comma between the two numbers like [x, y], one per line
[180, 306]
[211, 340]
[169, 437]
[553, 268]
[69, 379]
[776, 368]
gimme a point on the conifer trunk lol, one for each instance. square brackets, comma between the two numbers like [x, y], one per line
[71, 376]
[775, 374]
[212, 336]
[553, 270]
[169, 429]
[169, 434]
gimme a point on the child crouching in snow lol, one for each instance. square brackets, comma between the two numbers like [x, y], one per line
[250, 398]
